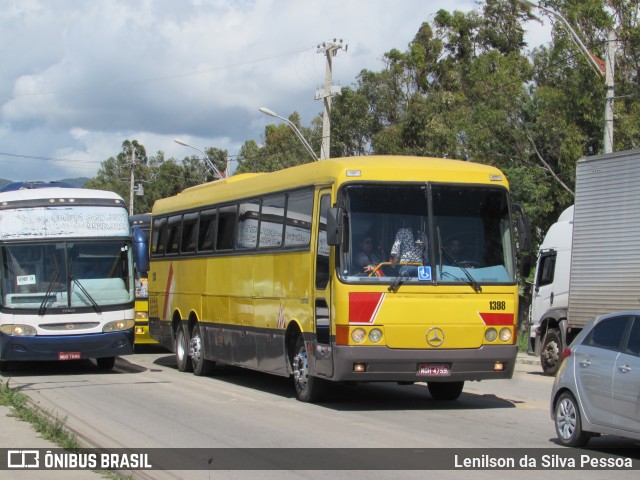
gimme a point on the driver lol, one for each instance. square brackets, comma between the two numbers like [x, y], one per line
[367, 258]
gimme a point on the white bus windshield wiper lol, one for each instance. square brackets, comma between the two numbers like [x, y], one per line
[43, 305]
[94, 304]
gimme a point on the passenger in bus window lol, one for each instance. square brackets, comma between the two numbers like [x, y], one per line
[407, 247]
[367, 258]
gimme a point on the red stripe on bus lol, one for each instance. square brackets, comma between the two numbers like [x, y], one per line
[167, 291]
[364, 307]
[497, 318]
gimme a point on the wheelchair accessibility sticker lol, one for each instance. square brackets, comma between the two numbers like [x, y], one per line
[424, 274]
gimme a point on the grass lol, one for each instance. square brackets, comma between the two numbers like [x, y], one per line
[50, 426]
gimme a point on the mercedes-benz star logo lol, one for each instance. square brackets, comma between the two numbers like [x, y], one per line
[435, 337]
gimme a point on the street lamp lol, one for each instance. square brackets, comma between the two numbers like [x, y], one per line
[271, 113]
[209, 162]
[603, 71]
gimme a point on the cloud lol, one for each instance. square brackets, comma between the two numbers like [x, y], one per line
[78, 78]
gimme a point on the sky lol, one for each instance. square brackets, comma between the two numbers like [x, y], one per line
[77, 78]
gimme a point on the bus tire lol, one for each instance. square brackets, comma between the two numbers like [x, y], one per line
[182, 350]
[106, 363]
[308, 388]
[200, 365]
[550, 353]
[446, 391]
[4, 365]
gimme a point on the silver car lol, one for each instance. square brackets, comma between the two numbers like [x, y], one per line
[597, 389]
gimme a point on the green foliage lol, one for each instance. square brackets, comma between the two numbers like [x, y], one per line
[465, 87]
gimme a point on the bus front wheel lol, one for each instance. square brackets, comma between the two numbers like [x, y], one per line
[308, 388]
[106, 363]
[445, 390]
[182, 350]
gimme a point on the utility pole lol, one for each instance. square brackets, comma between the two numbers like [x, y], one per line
[330, 49]
[131, 185]
[603, 69]
[609, 94]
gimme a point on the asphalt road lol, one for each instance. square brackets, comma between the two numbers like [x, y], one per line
[146, 403]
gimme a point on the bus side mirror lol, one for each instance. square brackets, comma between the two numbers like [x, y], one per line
[334, 226]
[525, 244]
[140, 250]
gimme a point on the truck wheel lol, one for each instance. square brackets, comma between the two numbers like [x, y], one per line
[551, 351]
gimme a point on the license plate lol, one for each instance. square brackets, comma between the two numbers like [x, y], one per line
[69, 356]
[433, 370]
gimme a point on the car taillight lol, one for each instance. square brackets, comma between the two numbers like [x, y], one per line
[566, 353]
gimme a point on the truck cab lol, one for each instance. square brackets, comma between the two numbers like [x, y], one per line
[547, 325]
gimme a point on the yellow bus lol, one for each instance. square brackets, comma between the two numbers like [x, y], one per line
[263, 271]
[141, 222]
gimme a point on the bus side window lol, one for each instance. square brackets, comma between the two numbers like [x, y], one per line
[189, 232]
[298, 223]
[206, 230]
[272, 222]
[226, 227]
[158, 237]
[173, 234]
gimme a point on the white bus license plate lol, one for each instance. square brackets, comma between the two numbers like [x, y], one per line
[430, 370]
[69, 356]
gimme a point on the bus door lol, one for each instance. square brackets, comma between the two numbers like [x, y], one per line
[323, 354]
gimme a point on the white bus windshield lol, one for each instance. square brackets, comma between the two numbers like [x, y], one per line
[68, 274]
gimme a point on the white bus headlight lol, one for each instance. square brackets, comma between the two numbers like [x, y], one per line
[19, 330]
[358, 335]
[375, 335]
[490, 334]
[505, 334]
[118, 326]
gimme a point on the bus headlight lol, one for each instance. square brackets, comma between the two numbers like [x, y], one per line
[142, 315]
[118, 326]
[375, 335]
[490, 334]
[358, 335]
[19, 330]
[505, 334]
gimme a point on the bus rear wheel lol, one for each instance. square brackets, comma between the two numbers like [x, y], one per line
[106, 363]
[446, 391]
[308, 388]
[201, 366]
[182, 350]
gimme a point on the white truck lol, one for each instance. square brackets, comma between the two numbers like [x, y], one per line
[589, 261]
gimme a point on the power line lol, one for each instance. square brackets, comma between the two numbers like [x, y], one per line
[36, 157]
[143, 81]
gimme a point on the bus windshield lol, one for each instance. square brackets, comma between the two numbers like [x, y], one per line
[67, 274]
[427, 234]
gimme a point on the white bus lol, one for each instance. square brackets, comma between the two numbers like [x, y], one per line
[67, 276]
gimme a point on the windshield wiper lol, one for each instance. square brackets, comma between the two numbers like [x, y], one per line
[472, 281]
[43, 305]
[94, 304]
[393, 288]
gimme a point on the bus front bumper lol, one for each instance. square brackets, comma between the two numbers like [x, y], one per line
[66, 347]
[382, 364]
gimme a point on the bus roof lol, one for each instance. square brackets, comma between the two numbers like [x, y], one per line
[56, 196]
[386, 168]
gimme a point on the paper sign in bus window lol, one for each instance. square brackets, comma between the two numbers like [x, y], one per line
[26, 279]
